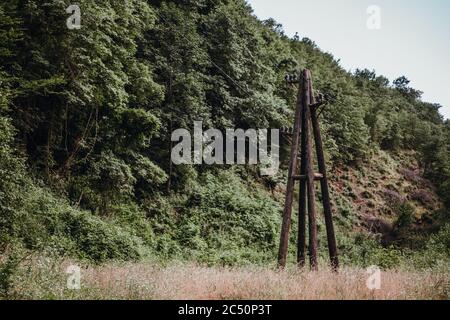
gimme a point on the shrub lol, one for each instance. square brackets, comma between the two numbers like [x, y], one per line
[47, 221]
[224, 219]
[405, 216]
[411, 175]
[440, 242]
[393, 198]
[436, 252]
[364, 251]
[444, 192]
[422, 196]
[8, 268]
[13, 183]
[99, 241]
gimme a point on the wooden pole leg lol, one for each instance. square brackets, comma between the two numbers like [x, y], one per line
[331, 238]
[309, 171]
[301, 244]
[287, 215]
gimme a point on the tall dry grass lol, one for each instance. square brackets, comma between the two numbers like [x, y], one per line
[44, 280]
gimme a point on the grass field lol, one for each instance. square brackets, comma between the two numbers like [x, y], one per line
[43, 278]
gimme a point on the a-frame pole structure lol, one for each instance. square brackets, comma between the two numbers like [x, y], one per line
[307, 125]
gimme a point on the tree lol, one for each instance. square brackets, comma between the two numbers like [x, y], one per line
[401, 84]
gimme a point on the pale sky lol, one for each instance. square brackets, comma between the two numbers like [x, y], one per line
[413, 40]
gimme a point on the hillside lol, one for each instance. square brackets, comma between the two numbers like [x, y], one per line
[86, 118]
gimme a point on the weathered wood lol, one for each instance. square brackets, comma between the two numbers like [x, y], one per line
[307, 124]
[317, 104]
[301, 241]
[332, 247]
[287, 215]
[317, 177]
[309, 171]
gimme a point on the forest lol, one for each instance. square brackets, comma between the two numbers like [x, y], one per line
[86, 117]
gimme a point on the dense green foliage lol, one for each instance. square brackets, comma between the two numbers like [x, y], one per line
[86, 116]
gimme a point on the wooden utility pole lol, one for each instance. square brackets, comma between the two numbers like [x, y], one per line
[286, 225]
[306, 125]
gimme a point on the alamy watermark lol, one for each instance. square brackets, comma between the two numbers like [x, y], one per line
[74, 21]
[373, 282]
[374, 19]
[237, 147]
[74, 278]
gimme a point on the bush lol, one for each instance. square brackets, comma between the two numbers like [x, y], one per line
[99, 241]
[12, 183]
[444, 192]
[439, 243]
[405, 216]
[393, 198]
[436, 252]
[364, 251]
[9, 265]
[227, 222]
[411, 175]
[33, 216]
[423, 196]
[47, 221]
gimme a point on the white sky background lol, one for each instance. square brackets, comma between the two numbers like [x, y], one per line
[413, 40]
